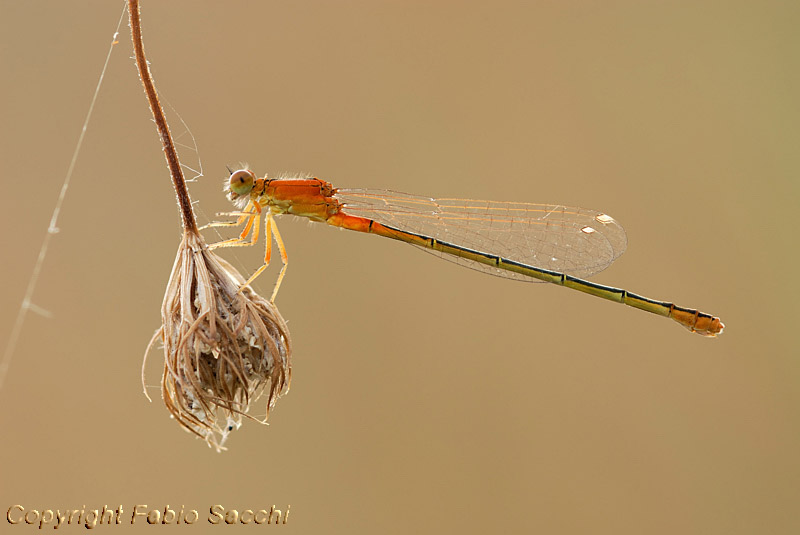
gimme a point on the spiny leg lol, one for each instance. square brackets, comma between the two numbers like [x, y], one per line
[253, 222]
[242, 216]
[250, 211]
[240, 242]
[269, 229]
[249, 224]
[267, 255]
[284, 259]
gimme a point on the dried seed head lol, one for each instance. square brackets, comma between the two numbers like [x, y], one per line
[222, 348]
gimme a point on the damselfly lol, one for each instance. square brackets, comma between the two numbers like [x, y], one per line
[522, 241]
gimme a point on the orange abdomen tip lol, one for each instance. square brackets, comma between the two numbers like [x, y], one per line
[697, 322]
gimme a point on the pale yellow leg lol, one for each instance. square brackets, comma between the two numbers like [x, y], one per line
[253, 222]
[270, 229]
[284, 260]
[242, 216]
[246, 230]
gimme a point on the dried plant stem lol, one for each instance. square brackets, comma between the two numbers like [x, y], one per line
[224, 345]
[175, 170]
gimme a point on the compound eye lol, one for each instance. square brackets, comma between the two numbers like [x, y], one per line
[241, 181]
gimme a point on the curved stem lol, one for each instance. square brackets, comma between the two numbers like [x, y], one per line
[175, 170]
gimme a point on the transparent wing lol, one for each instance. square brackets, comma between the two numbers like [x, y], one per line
[559, 238]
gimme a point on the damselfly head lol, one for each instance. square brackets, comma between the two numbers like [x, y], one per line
[240, 184]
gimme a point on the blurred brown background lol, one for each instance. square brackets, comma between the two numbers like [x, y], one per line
[426, 397]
